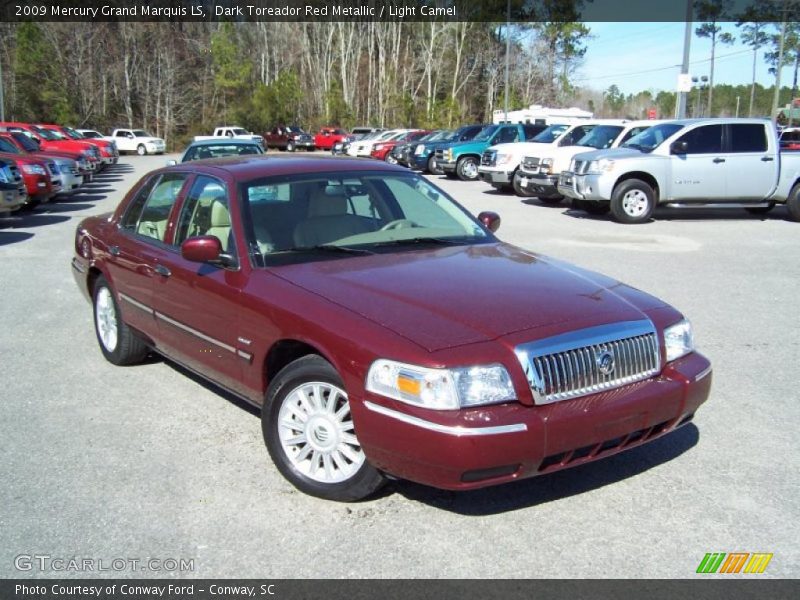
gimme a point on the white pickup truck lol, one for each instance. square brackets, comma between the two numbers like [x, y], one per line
[538, 172]
[233, 132]
[137, 140]
[710, 163]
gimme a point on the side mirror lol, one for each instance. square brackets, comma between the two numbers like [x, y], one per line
[679, 147]
[491, 220]
[172, 162]
[206, 249]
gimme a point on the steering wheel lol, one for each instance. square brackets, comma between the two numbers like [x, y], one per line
[398, 224]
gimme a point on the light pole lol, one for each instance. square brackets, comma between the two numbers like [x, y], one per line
[2, 98]
[508, 51]
[687, 41]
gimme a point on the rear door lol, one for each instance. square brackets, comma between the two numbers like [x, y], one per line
[135, 251]
[751, 164]
[700, 172]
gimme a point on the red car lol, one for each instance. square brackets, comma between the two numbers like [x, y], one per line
[49, 141]
[109, 155]
[70, 181]
[382, 150]
[41, 181]
[380, 327]
[328, 136]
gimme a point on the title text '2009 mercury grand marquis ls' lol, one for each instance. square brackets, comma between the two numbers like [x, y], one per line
[383, 329]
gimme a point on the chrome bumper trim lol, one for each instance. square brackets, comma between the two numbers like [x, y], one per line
[446, 429]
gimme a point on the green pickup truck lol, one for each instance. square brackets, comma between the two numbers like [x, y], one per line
[461, 159]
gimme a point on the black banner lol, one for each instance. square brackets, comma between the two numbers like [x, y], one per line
[729, 588]
[377, 10]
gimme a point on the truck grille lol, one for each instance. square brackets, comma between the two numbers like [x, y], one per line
[590, 361]
[15, 175]
[530, 163]
[439, 154]
[52, 168]
[488, 157]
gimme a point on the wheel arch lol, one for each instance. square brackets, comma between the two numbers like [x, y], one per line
[643, 176]
[288, 350]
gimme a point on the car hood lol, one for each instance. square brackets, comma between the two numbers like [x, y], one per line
[465, 144]
[447, 297]
[612, 153]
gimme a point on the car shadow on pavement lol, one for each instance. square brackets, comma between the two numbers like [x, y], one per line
[33, 219]
[532, 492]
[536, 202]
[61, 206]
[11, 237]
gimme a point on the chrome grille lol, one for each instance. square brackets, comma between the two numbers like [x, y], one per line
[488, 158]
[16, 177]
[590, 360]
[439, 154]
[530, 163]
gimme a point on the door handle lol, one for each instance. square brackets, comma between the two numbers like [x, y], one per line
[718, 160]
[113, 250]
[767, 159]
[162, 270]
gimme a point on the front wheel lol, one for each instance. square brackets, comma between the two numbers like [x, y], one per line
[141, 150]
[467, 168]
[119, 344]
[390, 159]
[309, 433]
[433, 167]
[633, 202]
[525, 192]
[290, 147]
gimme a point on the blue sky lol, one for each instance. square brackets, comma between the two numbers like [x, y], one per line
[646, 56]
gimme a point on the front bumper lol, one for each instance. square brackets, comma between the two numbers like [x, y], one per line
[485, 446]
[70, 182]
[494, 177]
[12, 197]
[153, 148]
[546, 185]
[584, 187]
[448, 166]
[419, 162]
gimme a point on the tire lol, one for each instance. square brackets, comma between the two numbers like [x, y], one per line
[390, 159]
[433, 167]
[633, 202]
[119, 344]
[312, 447]
[793, 203]
[141, 150]
[290, 146]
[521, 191]
[593, 208]
[551, 200]
[467, 168]
[760, 210]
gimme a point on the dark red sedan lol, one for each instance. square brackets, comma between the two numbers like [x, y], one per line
[383, 329]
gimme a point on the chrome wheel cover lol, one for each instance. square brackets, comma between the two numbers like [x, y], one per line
[470, 169]
[635, 203]
[316, 433]
[106, 319]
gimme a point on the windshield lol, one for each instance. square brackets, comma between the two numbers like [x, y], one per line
[141, 133]
[91, 134]
[220, 150]
[48, 135]
[6, 146]
[366, 211]
[239, 131]
[550, 135]
[437, 136]
[601, 137]
[295, 129]
[652, 137]
[485, 133]
[25, 141]
[73, 134]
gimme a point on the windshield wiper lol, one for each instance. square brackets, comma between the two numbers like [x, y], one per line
[421, 240]
[333, 248]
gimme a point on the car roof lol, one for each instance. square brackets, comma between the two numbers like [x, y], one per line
[245, 168]
[224, 141]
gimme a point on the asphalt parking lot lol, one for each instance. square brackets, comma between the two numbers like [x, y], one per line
[146, 462]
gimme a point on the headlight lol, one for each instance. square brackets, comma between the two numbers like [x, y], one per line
[420, 149]
[546, 166]
[34, 170]
[440, 389]
[678, 340]
[448, 154]
[598, 167]
[3, 176]
[503, 159]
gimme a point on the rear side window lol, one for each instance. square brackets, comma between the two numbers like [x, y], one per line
[506, 135]
[703, 140]
[531, 131]
[748, 137]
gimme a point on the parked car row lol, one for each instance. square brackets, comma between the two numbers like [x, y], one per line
[39, 162]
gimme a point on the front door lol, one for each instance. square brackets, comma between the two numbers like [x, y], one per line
[700, 172]
[197, 305]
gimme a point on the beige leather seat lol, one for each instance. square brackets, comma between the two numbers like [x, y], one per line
[153, 229]
[220, 223]
[328, 220]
